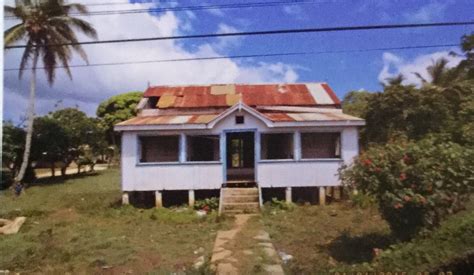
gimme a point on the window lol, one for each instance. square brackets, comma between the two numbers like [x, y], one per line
[159, 149]
[320, 145]
[202, 148]
[239, 120]
[277, 146]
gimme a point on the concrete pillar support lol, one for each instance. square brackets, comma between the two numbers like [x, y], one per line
[322, 195]
[288, 196]
[158, 199]
[125, 199]
[191, 198]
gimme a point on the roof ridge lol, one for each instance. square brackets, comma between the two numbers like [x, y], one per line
[243, 84]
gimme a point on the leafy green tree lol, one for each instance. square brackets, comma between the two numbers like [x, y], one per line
[51, 141]
[13, 143]
[356, 102]
[83, 132]
[44, 23]
[117, 109]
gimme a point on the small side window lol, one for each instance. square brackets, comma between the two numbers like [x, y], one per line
[239, 120]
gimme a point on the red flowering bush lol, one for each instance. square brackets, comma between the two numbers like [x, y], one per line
[416, 184]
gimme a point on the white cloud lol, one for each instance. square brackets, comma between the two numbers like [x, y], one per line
[432, 11]
[94, 84]
[394, 65]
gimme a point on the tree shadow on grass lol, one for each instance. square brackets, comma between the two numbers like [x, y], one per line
[358, 249]
[61, 179]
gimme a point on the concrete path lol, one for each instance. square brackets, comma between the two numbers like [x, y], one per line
[231, 252]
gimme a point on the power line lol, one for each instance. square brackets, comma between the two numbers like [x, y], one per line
[248, 56]
[194, 8]
[270, 32]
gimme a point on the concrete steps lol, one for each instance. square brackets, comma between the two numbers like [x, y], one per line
[239, 200]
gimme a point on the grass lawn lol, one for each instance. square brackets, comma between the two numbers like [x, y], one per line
[321, 238]
[341, 237]
[78, 225]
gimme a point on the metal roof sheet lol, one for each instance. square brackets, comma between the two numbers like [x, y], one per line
[304, 94]
[169, 119]
[301, 117]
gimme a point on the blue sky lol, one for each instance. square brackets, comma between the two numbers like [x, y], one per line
[343, 71]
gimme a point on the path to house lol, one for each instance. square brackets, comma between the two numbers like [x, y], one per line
[245, 249]
[44, 173]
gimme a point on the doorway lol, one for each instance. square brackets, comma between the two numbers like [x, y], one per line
[240, 157]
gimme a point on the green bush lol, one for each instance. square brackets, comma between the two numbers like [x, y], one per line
[416, 184]
[208, 204]
[362, 200]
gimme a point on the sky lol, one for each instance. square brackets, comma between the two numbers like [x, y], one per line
[344, 72]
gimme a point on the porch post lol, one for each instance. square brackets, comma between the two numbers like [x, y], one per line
[288, 196]
[191, 198]
[297, 145]
[222, 149]
[125, 200]
[158, 199]
[322, 195]
[182, 147]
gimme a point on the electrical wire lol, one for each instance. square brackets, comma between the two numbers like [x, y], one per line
[246, 56]
[255, 33]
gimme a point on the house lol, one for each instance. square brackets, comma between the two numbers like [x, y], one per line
[259, 137]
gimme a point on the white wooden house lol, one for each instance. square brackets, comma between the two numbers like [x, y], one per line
[259, 136]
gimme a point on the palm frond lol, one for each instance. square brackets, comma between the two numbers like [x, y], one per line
[437, 71]
[14, 34]
[85, 27]
[75, 7]
[423, 80]
[27, 54]
[68, 34]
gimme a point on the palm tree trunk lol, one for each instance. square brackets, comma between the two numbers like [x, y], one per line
[31, 117]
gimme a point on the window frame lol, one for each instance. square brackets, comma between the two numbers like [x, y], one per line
[202, 161]
[337, 158]
[293, 145]
[140, 150]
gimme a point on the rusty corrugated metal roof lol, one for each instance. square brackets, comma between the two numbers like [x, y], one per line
[170, 119]
[300, 117]
[305, 94]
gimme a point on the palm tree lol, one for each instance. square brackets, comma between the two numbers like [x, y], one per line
[49, 32]
[440, 74]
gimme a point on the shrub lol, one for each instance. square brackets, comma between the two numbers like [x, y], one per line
[416, 184]
[208, 204]
[362, 200]
[281, 204]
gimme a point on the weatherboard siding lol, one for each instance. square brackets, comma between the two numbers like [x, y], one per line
[210, 175]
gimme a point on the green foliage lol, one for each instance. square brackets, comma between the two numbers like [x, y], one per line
[281, 204]
[117, 109]
[13, 144]
[355, 103]
[208, 204]
[362, 200]
[50, 140]
[416, 184]
[415, 113]
[448, 245]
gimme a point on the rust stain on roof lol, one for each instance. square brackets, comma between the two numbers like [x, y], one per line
[289, 117]
[252, 95]
[169, 120]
